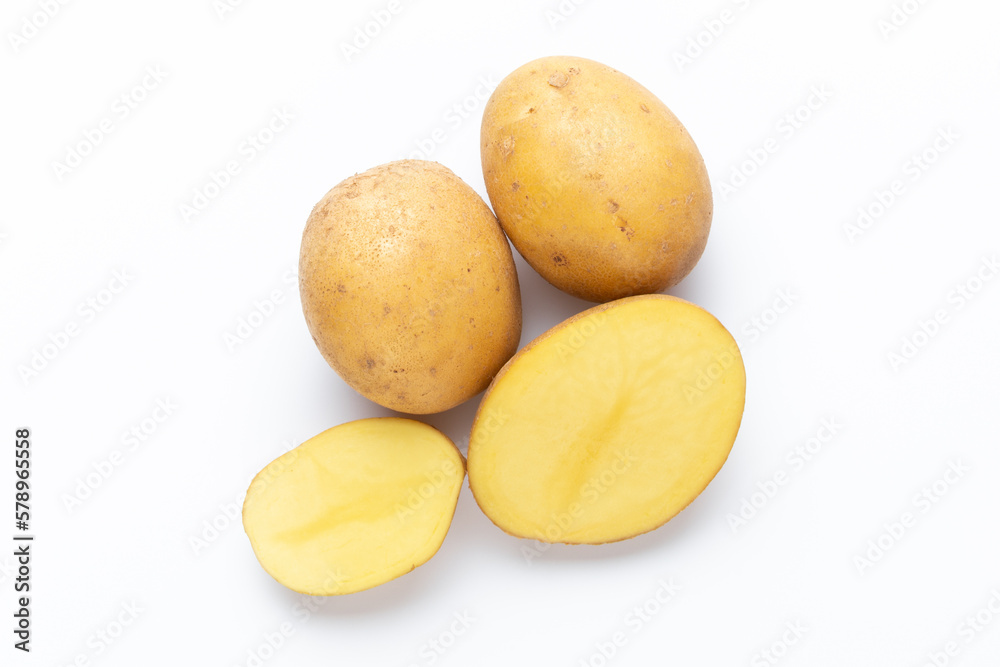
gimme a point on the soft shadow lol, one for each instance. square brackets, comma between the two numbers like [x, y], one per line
[410, 589]
[543, 305]
[677, 531]
[697, 286]
[455, 423]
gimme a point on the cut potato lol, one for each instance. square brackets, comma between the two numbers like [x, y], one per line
[354, 507]
[609, 424]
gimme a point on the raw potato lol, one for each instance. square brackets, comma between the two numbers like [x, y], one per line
[595, 181]
[358, 505]
[409, 287]
[609, 424]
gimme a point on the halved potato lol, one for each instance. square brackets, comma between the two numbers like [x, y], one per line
[609, 424]
[354, 507]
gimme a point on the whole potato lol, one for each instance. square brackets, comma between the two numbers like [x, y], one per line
[595, 181]
[409, 287]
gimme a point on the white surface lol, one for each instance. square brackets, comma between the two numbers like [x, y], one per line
[163, 336]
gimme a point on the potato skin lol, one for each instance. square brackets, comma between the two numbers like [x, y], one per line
[408, 286]
[595, 181]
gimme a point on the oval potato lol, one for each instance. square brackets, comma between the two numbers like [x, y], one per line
[408, 286]
[595, 181]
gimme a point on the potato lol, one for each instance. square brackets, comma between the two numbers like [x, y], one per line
[354, 507]
[408, 286]
[595, 181]
[609, 424]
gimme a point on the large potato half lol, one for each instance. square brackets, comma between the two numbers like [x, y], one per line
[354, 507]
[409, 287]
[609, 424]
[595, 181]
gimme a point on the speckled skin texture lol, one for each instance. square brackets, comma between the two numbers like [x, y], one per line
[595, 181]
[408, 286]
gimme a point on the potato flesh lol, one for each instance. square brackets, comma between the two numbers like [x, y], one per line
[356, 506]
[609, 425]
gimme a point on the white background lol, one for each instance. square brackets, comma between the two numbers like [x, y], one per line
[855, 297]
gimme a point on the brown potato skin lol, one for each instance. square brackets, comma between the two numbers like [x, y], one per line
[596, 182]
[409, 287]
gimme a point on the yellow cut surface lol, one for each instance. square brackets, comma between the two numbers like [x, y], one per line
[609, 424]
[354, 507]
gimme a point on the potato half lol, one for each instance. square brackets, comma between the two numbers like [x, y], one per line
[408, 286]
[609, 424]
[354, 507]
[594, 179]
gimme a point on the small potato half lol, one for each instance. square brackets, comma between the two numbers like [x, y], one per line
[408, 286]
[595, 181]
[354, 507]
